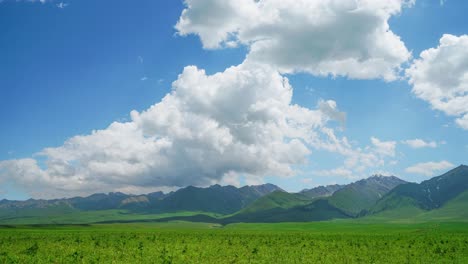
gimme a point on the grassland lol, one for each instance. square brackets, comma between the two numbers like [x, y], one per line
[181, 242]
[86, 217]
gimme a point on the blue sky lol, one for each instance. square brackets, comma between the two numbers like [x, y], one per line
[72, 68]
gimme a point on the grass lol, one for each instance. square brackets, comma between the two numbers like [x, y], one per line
[341, 241]
[277, 199]
[453, 211]
[87, 217]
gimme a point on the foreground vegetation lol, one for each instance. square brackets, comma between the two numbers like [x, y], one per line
[320, 242]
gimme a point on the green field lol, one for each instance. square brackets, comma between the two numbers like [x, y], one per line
[42, 216]
[182, 242]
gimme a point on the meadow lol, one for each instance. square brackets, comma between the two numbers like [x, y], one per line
[183, 242]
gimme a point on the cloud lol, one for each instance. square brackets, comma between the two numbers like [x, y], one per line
[440, 77]
[358, 162]
[209, 128]
[463, 122]
[62, 5]
[419, 143]
[239, 122]
[386, 148]
[323, 37]
[330, 109]
[429, 168]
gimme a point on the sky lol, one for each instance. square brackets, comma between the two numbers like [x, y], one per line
[140, 96]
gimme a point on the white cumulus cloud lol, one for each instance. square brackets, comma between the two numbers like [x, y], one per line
[386, 148]
[429, 168]
[419, 143]
[323, 37]
[358, 162]
[237, 122]
[440, 77]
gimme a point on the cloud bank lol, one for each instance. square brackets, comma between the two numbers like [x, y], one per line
[240, 121]
[429, 168]
[357, 161]
[323, 37]
[440, 77]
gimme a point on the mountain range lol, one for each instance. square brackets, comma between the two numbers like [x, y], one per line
[428, 195]
[378, 197]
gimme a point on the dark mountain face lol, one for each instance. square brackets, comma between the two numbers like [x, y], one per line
[33, 204]
[322, 191]
[156, 195]
[216, 199]
[142, 202]
[428, 195]
[437, 191]
[317, 204]
[363, 194]
[319, 210]
[98, 201]
[263, 189]
[378, 182]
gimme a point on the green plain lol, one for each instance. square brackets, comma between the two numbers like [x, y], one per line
[343, 241]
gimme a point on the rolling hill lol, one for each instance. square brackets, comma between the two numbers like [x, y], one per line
[428, 195]
[318, 204]
[213, 199]
[453, 210]
[319, 210]
[363, 194]
[277, 199]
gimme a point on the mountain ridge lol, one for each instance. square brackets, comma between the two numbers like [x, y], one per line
[376, 197]
[152, 201]
[298, 207]
[427, 195]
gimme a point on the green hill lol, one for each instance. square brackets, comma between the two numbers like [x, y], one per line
[215, 199]
[318, 210]
[427, 195]
[454, 210]
[277, 199]
[363, 194]
[407, 210]
[280, 206]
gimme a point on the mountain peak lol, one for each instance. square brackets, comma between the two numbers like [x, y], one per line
[382, 179]
[462, 169]
[429, 194]
[322, 191]
[380, 176]
[264, 188]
